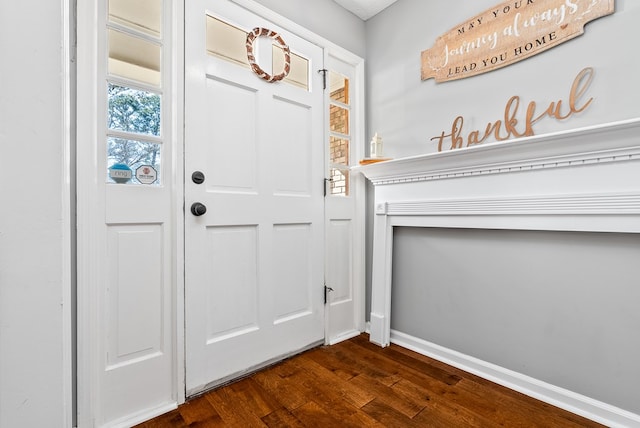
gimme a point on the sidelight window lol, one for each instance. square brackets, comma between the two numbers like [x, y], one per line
[339, 133]
[134, 92]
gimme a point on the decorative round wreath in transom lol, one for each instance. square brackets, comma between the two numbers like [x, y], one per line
[259, 32]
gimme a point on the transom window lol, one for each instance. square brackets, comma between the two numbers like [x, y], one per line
[229, 43]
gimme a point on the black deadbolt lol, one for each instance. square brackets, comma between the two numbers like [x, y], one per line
[198, 177]
[198, 209]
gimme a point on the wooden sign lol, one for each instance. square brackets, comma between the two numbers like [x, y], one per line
[509, 32]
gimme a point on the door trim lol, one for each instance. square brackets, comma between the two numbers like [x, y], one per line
[68, 214]
[177, 70]
[87, 47]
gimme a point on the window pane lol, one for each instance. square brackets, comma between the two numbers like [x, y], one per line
[339, 119]
[298, 71]
[140, 15]
[134, 58]
[339, 182]
[338, 87]
[339, 150]
[226, 41]
[131, 110]
[133, 162]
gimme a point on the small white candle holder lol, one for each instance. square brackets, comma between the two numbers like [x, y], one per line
[376, 146]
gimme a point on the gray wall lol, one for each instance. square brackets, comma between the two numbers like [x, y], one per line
[556, 307]
[325, 18]
[407, 112]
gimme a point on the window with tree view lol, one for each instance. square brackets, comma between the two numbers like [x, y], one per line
[134, 111]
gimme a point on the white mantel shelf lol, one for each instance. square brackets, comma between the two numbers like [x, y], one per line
[601, 143]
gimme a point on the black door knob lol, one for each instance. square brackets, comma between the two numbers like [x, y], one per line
[198, 209]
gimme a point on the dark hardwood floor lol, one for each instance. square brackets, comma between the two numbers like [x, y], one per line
[358, 384]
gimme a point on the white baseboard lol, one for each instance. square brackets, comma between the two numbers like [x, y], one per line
[568, 400]
[344, 336]
[143, 416]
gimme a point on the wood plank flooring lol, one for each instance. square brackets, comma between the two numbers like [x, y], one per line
[358, 384]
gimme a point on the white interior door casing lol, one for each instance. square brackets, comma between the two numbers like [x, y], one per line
[254, 263]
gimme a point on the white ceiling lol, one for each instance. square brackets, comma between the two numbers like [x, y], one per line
[365, 9]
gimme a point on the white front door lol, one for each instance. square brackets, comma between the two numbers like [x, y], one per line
[254, 261]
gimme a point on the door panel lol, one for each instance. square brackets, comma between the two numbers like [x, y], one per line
[254, 262]
[293, 262]
[135, 294]
[293, 171]
[233, 263]
[233, 166]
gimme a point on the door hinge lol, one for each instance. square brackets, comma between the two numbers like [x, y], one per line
[324, 72]
[326, 292]
[327, 181]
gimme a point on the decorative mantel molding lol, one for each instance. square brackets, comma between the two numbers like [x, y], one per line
[612, 142]
[537, 205]
[581, 180]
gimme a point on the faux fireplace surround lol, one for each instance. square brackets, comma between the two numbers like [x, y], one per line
[583, 180]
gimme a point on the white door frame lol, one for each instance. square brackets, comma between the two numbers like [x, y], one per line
[177, 49]
[89, 265]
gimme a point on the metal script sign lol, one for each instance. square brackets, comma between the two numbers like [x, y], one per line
[509, 32]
